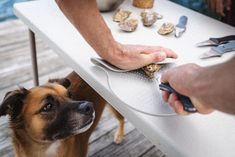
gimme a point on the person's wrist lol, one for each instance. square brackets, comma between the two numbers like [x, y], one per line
[113, 53]
[198, 90]
[194, 83]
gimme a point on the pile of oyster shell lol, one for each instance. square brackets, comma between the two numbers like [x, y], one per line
[148, 18]
[121, 16]
[130, 25]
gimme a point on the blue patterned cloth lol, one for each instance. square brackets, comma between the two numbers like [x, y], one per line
[197, 5]
[6, 9]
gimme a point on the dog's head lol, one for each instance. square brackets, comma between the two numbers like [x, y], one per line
[47, 112]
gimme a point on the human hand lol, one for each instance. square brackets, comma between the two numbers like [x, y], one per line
[219, 6]
[182, 79]
[132, 57]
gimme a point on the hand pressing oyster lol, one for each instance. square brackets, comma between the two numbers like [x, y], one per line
[121, 15]
[149, 17]
[129, 25]
[166, 28]
[150, 69]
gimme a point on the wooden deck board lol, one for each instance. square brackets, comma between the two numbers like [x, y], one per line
[15, 69]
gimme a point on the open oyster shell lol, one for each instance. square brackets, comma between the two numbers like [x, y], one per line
[150, 69]
[121, 15]
[166, 28]
[129, 25]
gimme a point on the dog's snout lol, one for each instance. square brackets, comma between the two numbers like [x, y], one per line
[85, 107]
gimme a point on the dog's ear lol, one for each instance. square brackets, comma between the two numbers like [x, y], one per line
[64, 82]
[13, 102]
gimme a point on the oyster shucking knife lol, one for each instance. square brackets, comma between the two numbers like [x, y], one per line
[216, 41]
[219, 50]
[181, 26]
[187, 104]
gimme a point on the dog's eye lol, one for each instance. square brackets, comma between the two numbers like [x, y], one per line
[46, 108]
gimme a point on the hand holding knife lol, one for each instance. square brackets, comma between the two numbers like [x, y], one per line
[187, 104]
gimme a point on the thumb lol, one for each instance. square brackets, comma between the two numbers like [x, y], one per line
[166, 76]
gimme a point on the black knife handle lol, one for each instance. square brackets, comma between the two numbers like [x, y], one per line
[187, 104]
[223, 40]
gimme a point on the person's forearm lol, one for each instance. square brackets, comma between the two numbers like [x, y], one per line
[214, 86]
[85, 16]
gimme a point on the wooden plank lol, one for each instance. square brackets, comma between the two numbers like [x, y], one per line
[153, 152]
[133, 144]
[104, 141]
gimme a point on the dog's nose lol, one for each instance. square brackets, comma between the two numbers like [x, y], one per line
[85, 107]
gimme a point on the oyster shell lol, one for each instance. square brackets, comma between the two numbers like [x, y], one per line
[150, 69]
[121, 15]
[166, 28]
[129, 25]
[148, 18]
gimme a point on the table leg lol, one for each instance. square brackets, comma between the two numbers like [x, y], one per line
[33, 57]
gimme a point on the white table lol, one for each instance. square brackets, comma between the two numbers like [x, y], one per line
[195, 135]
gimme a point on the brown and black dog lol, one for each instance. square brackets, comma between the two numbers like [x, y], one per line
[55, 119]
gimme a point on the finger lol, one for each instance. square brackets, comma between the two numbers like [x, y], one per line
[166, 76]
[143, 59]
[154, 57]
[148, 49]
[157, 49]
[178, 106]
[212, 5]
[172, 99]
[228, 5]
[169, 53]
[165, 95]
[220, 8]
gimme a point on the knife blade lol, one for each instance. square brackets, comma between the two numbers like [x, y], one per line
[216, 41]
[219, 50]
[187, 104]
[181, 26]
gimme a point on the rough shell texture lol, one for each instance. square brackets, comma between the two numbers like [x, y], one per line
[129, 25]
[148, 18]
[147, 11]
[150, 69]
[121, 15]
[166, 28]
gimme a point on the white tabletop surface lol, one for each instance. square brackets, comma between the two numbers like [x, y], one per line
[191, 136]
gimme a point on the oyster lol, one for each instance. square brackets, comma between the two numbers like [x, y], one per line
[148, 18]
[166, 28]
[129, 25]
[150, 69]
[121, 15]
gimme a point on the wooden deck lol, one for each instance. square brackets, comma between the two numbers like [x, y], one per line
[15, 70]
